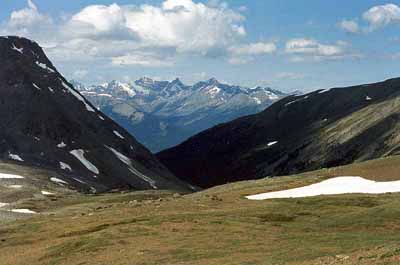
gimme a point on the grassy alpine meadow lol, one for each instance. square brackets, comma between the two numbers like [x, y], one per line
[216, 226]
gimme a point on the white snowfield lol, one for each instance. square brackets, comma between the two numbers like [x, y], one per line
[333, 186]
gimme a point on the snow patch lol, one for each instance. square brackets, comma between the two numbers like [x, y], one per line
[45, 67]
[79, 154]
[214, 91]
[25, 211]
[333, 186]
[257, 100]
[126, 160]
[118, 134]
[35, 86]
[80, 181]
[324, 91]
[46, 193]
[10, 176]
[14, 186]
[61, 145]
[367, 98]
[20, 50]
[65, 166]
[272, 143]
[3, 204]
[78, 96]
[15, 157]
[58, 181]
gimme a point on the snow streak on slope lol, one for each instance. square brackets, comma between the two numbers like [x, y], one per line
[79, 154]
[126, 160]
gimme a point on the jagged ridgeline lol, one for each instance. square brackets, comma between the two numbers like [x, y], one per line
[162, 114]
[46, 123]
[325, 128]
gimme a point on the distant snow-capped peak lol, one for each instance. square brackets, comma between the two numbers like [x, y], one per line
[168, 93]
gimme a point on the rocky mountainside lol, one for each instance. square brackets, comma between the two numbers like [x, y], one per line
[162, 114]
[47, 124]
[322, 129]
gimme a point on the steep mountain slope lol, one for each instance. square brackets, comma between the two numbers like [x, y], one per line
[299, 133]
[162, 114]
[46, 123]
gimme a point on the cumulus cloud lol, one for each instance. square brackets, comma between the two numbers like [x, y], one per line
[27, 20]
[142, 59]
[258, 48]
[381, 16]
[375, 18]
[133, 35]
[350, 26]
[80, 73]
[290, 76]
[305, 49]
[183, 24]
[245, 53]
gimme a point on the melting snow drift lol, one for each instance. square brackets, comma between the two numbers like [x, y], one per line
[334, 186]
[10, 176]
[79, 154]
[25, 211]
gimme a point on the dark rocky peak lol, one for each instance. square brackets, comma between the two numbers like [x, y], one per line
[46, 123]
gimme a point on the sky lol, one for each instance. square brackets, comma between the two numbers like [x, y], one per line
[284, 44]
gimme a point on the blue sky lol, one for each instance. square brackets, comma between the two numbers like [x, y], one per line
[285, 44]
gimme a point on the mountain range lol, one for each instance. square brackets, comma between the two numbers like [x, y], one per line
[45, 123]
[322, 129]
[162, 114]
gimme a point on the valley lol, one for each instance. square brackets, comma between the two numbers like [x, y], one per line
[279, 143]
[162, 114]
[216, 226]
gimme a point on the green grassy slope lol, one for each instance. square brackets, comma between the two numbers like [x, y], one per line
[217, 226]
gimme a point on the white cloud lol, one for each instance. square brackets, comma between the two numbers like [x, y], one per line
[22, 22]
[80, 73]
[242, 8]
[245, 53]
[303, 49]
[350, 26]
[376, 17]
[142, 59]
[133, 35]
[381, 16]
[290, 76]
[313, 47]
[258, 48]
[183, 24]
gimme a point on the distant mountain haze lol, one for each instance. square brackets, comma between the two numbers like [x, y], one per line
[162, 114]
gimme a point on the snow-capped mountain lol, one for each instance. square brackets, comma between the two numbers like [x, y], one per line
[47, 124]
[162, 114]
